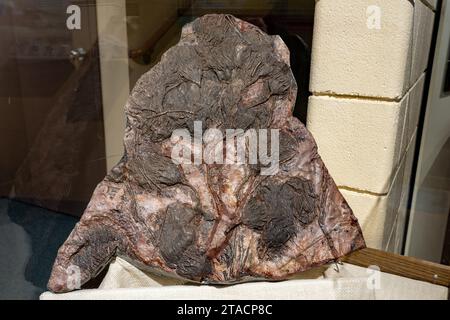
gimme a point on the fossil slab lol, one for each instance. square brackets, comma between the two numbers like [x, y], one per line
[213, 223]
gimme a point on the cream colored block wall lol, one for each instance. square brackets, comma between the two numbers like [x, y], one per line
[361, 61]
[358, 136]
[378, 214]
[413, 111]
[422, 32]
[395, 241]
[367, 86]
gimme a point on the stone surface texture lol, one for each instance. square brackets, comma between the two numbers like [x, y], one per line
[361, 48]
[211, 223]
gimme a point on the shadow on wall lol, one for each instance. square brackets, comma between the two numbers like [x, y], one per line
[30, 237]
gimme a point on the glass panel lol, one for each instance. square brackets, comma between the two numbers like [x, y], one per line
[51, 134]
[61, 126]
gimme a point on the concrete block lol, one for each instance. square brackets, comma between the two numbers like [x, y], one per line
[377, 214]
[362, 48]
[413, 111]
[371, 213]
[400, 228]
[422, 33]
[358, 139]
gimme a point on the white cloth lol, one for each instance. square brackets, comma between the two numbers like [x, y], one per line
[124, 281]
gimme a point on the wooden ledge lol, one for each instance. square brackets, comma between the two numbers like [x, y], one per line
[408, 267]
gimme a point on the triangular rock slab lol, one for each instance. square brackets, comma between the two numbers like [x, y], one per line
[215, 224]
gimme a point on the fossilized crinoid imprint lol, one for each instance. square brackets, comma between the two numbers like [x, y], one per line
[213, 223]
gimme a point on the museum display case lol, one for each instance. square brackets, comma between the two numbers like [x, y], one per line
[92, 93]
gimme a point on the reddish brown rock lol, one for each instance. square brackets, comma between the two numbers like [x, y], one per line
[213, 223]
